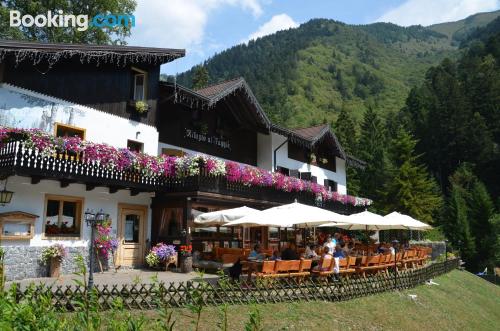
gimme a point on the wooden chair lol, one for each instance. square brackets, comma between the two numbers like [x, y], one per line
[304, 269]
[347, 266]
[325, 268]
[267, 269]
[372, 264]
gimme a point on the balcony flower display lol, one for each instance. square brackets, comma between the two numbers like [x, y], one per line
[173, 167]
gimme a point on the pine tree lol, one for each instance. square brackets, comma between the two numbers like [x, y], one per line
[346, 131]
[456, 225]
[371, 149]
[200, 77]
[410, 190]
[481, 213]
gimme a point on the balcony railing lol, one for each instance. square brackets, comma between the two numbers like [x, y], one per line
[16, 159]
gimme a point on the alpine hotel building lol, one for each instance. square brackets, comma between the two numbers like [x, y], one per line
[113, 95]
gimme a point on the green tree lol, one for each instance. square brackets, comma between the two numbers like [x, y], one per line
[482, 211]
[93, 35]
[200, 77]
[409, 189]
[372, 150]
[456, 225]
[346, 130]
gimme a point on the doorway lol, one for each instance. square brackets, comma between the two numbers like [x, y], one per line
[132, 224]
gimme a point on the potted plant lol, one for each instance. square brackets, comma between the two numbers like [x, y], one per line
[312, 158]
[105, 244]
[161, 255]
[53, 256]
[141, 106]
[186, 258]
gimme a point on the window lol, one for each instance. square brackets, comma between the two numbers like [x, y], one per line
[62, 216]
[135, 146]
[283, 170]
[64, 130]
[172, 152]
[139, 79]
[305, 175]
[331, 185]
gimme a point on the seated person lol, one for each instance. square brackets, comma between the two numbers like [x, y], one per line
[290, 252]
[235, 270]
[310, 253]
[256, 254]
[275, 256]
[349, 248]
[381, 248]
[326, 255]
[339, 251]
[330, 244]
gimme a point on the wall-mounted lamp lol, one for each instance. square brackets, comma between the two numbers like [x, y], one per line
[5, 196]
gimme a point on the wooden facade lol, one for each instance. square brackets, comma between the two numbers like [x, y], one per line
[106, 87]
[238, 141]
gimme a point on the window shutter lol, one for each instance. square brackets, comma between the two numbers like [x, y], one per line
[294, 173]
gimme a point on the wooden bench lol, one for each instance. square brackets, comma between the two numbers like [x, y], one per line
[267, 269]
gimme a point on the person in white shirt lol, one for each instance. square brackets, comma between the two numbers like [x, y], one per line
[330, 244]
[310, 253]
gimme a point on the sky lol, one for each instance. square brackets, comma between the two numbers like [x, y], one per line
[206, 27]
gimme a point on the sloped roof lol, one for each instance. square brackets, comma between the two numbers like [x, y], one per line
[311, 136]
[311, 132]
[120, 55]
[220, 88]
[209, 96]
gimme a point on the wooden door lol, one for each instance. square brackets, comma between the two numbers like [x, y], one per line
[132, 234]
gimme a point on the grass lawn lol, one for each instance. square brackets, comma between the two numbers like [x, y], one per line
[461, 301]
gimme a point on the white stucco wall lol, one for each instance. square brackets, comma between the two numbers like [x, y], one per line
[264, 151]
[282, 160]
[26, 109]
[30, 198]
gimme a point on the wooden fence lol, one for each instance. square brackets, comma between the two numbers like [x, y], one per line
[151, 296]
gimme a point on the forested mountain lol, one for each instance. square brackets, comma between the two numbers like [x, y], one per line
[306, 75]
[420, 105]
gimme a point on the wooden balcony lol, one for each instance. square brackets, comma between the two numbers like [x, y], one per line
[16, 159]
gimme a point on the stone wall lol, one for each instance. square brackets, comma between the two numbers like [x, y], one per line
[23, 262]
[438, 247]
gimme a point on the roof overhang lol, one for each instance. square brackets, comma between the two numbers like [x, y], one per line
[118, 55]
[238, 96]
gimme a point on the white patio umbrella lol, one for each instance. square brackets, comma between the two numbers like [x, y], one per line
[221, 217]
[407, 221]
[293, 214]
[367, 221]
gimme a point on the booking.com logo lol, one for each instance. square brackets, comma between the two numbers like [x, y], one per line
[60, 20]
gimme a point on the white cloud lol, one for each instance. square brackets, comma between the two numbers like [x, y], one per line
[427, 12]
[179, 23]
[276, 23]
